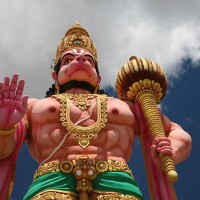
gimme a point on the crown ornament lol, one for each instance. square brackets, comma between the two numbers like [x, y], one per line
[75, 37]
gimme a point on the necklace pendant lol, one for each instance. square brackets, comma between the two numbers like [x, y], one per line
[83, 134]
[84, 142]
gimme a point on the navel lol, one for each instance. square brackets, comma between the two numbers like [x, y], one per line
[115, 111]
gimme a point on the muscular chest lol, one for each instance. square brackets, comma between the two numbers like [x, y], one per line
[52, 111]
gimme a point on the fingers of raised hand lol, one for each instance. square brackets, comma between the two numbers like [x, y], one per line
[11, 90]
[19, 92]
[12, 87]
[24, 103]
[5, 89]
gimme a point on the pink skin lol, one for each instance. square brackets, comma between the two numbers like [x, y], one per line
[12, 104]
[161, 146]
[80, 67]
[114, 142]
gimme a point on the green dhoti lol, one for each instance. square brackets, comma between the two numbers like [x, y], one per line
[119, 182]
[84, 176]
[52, 181]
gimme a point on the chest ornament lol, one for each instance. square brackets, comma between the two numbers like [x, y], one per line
[84, 135]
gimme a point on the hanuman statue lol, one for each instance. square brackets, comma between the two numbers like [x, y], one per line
[82, 138]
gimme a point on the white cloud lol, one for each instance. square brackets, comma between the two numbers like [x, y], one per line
[167, 32]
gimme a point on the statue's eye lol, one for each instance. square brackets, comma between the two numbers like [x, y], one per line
[80, 163]
[89, 163]
[90, 59]
[67, 61]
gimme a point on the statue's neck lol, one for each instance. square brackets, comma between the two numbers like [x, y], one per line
[77, 91]
[77, 87]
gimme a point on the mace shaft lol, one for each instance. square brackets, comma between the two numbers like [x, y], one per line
[149, 106]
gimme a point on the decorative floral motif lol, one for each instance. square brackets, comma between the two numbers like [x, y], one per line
[55, 195]
[114, 196]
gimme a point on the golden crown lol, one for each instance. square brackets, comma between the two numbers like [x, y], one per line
[75, 37]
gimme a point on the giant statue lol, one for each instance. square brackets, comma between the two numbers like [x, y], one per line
[82, 138]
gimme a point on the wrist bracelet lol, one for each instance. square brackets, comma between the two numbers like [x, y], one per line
[8, 131]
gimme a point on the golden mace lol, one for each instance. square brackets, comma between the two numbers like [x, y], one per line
[144, 81]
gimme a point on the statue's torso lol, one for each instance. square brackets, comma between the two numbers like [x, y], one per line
[114, 141]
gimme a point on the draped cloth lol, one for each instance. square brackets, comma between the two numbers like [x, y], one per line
[119, 182]
[159, 186]
[8, 165]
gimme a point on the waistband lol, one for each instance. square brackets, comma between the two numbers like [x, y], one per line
[82, 164]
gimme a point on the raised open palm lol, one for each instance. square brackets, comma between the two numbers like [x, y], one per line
[12, 104]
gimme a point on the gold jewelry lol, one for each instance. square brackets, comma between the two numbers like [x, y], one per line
[57, 87]
[8, 131]
[112, 195]
[82, 101]
[27, 125]
[101, 166]
[55, 194]
[84, 172]
[83, 134]
[84, 169]
[97, 89]
[75, 37]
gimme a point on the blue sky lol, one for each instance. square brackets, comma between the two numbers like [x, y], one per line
[164, 31]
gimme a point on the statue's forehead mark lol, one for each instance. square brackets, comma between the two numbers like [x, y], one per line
[78, 52]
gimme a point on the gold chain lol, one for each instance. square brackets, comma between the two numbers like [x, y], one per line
[83, 134]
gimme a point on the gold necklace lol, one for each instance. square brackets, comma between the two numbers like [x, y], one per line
[82, 101]
[83, 134]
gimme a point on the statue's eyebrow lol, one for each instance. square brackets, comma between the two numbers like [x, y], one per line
[89, 55]
[67, 54]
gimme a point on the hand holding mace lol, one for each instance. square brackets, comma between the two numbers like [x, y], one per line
[144, 81]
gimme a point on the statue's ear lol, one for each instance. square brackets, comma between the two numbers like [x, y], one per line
[54, 76]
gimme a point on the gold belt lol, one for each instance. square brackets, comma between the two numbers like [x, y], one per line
[85, 163]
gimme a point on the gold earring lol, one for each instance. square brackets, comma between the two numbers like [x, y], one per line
[57, 88]
[97, 89]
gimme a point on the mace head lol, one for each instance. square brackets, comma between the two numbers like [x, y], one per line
[138, 76]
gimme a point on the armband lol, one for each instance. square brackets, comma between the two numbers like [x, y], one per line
[27, 125]
[8, 131]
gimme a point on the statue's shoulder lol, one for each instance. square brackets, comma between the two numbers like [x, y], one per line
[31, 101]
[120, 102]
[35, 101]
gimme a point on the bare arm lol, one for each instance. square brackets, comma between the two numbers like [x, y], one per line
[176, 144]
[181, 141]
[12, 108]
